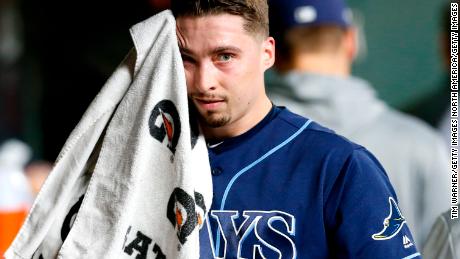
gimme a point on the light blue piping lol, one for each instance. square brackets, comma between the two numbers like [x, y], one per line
[412, 256]
[242, 171]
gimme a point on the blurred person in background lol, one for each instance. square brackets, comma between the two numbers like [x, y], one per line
[316, 46]
[435, 107]
[444, 239]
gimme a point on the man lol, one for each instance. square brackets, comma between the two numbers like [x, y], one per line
[284, 186]
[317, 46]
[444, 239]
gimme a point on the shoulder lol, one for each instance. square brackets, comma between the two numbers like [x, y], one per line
[335, 151]
[411, 138]
[323, 150]
[313, 135]
[409, 127]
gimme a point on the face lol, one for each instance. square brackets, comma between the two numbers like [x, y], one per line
[224, 67]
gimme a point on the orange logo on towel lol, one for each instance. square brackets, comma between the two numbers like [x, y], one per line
[185, 212]
[167, 125]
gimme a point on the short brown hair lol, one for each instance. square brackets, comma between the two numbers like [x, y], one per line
[315, 38]
[302, 39]
[254, 12]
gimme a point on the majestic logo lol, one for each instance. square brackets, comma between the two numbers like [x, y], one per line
[392, 224]
[164, 122]
[406, 242]
[185, 212]
[259, 233]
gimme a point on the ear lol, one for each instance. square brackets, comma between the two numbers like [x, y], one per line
[351, 43]
[268, 52]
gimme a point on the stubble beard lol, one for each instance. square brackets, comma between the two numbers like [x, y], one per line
[216, 119]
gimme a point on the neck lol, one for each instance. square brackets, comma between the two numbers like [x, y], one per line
[324, 64]
[255, 114]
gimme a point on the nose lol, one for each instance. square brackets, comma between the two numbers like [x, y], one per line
[204, 77]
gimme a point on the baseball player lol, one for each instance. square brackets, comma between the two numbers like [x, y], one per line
[284, 186]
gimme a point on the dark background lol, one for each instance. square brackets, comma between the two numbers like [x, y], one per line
[69, 50]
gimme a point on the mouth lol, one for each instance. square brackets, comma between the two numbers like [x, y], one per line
[209, 104]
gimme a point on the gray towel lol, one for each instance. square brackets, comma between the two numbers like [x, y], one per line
[133, 179]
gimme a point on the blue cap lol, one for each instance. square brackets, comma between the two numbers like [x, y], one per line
[285, 14]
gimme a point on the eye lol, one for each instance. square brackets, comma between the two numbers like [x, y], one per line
[225, 57]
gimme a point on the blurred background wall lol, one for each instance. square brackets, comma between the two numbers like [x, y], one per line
[403, 60]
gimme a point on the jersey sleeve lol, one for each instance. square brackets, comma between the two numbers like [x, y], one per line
[362, 213]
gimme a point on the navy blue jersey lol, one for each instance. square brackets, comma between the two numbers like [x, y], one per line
[289, 188]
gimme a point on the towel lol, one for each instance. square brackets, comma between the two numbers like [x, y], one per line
[133, 179]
